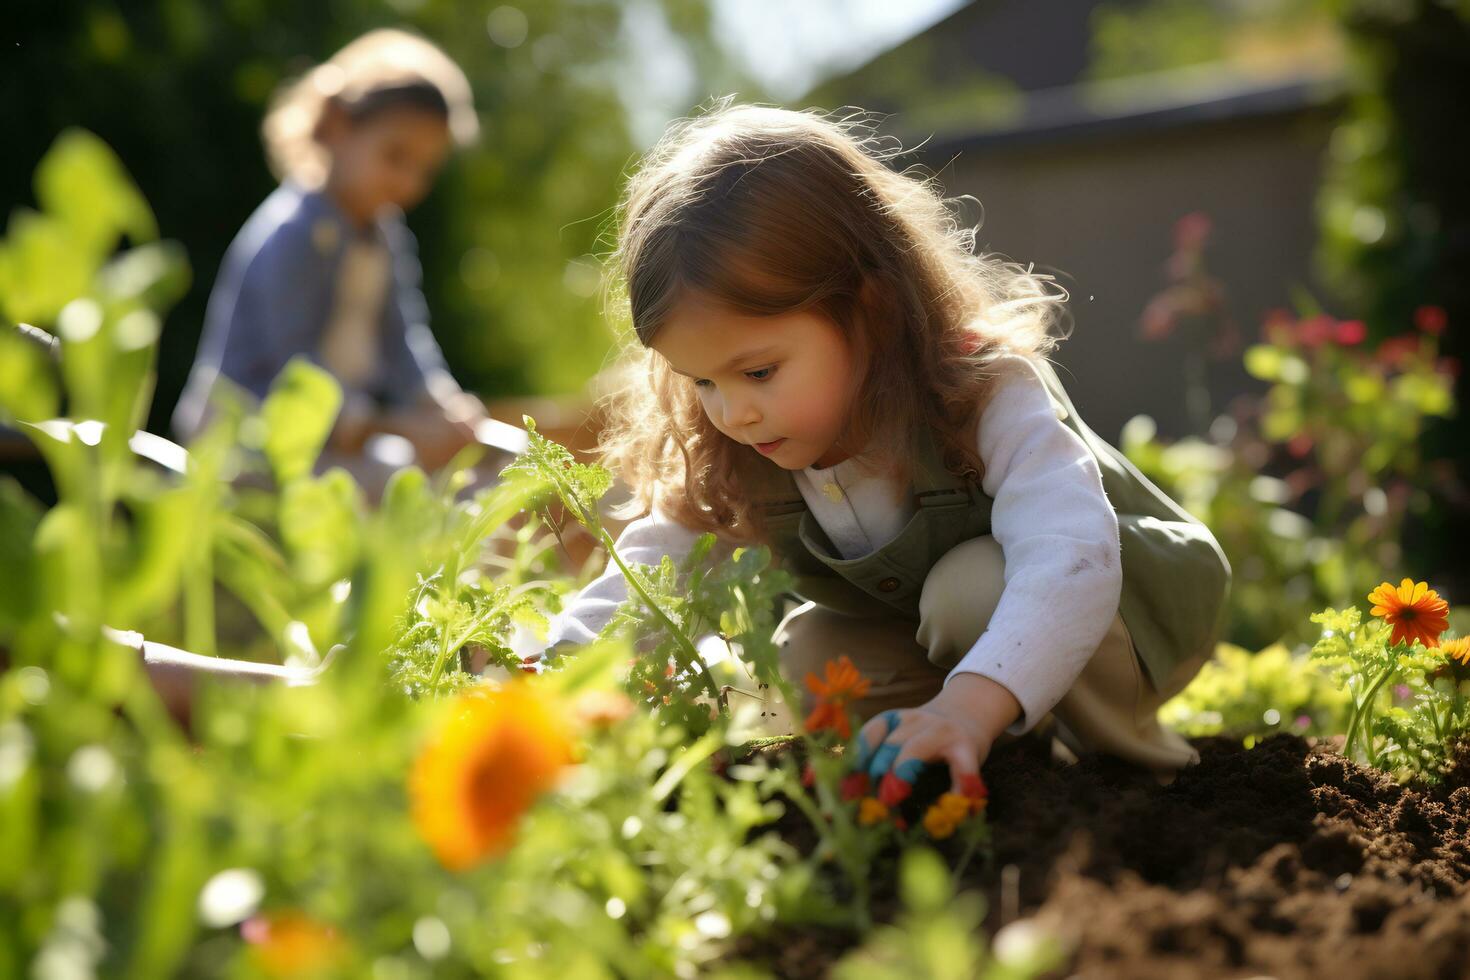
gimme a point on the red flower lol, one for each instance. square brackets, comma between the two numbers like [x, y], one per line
[1350, 333]
[1431, 320]
[1299, 445]
[808, 776]
[892, 791]
[1315, 331]
[854, 786]
[1395, 351]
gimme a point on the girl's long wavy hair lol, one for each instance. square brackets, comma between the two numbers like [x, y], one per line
[771, 211]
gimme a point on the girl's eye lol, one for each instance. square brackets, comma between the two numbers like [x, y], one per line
[702, 383]
[762, 374]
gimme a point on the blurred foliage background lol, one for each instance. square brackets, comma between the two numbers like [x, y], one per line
[179, 88]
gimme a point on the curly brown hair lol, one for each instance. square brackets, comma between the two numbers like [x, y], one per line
[771, 211]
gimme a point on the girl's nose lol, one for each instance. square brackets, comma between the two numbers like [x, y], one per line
[740, 412]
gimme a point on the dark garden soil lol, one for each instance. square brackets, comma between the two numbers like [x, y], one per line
[1282, 861]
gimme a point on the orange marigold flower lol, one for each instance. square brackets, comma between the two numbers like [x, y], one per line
[1414, 610]
[1457, 649]
[842, 686]
[870, 811]
[288, 944]
[497, 750]
[947, 813]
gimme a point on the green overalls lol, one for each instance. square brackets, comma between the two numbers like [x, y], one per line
[1175, 577]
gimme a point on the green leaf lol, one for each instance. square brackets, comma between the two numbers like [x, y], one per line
[299, 413]
[20, 515]
[924, 881]
[83, 183]
[27, 380]
[1263, 361]
[156, 275]
[42, 268]
[320, 523]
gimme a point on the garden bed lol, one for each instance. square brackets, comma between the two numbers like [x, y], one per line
[1283, 860]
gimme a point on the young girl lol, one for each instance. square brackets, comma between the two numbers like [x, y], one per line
[828, 369]
[326, 267]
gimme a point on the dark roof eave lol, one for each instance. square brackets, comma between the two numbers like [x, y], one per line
[1058, 115]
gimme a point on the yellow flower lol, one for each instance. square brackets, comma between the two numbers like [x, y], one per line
[1414, 610]
[1458, 649]
[954, 806]
[870, 811]
[288, 944]
[497, 750]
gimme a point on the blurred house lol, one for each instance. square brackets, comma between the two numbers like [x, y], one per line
[1086, 130]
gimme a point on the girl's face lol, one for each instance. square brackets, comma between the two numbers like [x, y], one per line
[387, 159]
[783, 385]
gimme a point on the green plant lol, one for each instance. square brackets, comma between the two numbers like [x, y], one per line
[936, 936]
[1253, 694]
[1408, 705]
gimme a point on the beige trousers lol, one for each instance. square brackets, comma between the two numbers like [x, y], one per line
[1110, 708]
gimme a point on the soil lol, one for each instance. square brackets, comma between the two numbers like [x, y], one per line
[1285, 860]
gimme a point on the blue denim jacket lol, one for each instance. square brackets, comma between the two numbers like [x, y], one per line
[272, 301]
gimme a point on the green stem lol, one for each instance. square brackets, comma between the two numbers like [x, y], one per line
[590, 521]
[451, 585]
[680, 639]
[839, 827]
[1361, 708]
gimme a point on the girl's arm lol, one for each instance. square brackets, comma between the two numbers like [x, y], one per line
[1059, 534]
[644, 542]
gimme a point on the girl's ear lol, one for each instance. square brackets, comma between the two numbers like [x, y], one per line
[332, 124]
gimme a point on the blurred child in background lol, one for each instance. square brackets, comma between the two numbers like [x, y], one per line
[326, 267]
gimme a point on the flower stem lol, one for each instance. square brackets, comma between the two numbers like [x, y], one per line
[1360, 709]
[683, 642]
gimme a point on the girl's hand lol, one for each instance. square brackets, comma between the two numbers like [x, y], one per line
[959, 725]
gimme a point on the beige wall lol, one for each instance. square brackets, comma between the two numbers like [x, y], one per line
[1100, 212]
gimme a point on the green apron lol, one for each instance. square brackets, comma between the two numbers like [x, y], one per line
[1175, 577]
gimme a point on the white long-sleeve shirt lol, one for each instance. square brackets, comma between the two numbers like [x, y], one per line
[1051, 517]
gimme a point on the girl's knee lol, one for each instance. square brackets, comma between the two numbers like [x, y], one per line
[960, 595]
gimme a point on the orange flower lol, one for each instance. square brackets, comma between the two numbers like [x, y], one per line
[1414, 610]
[1458, 649]
[941, 819]
[492, 756]
[288, 944]
[843, 686]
